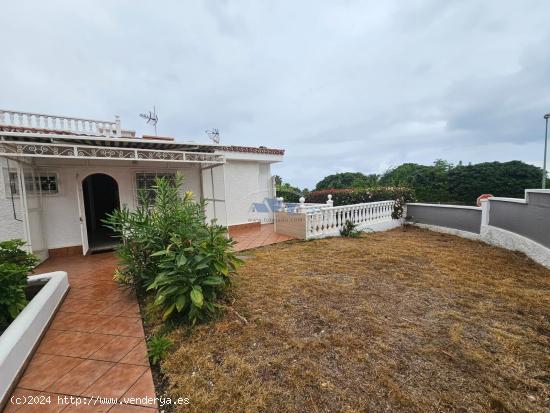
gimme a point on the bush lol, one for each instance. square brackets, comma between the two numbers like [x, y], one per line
[359, 196]
[15, 265]
[158, 347]
[192, 273]
[289, 195]
[349, 229]
[161, 213]
[11, 252]
[168, 248]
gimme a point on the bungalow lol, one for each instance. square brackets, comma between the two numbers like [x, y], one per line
[60, 176]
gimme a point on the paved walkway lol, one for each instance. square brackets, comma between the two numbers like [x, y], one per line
[256, 236]
[94, 347]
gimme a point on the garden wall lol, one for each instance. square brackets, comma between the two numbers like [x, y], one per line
[463, 218]
[291, 224]
[529, 217]
[511, 223]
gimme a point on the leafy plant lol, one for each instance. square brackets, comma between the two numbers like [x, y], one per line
[349, 229]
[15, 265]
[193, 273]
[150, 227]
[158, 347]
[168, 249]
[11, 252]
[398, 208]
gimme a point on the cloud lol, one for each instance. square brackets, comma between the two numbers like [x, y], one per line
[341, 85]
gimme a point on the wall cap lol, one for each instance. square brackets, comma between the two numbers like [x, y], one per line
[503, 199]
[446, 206]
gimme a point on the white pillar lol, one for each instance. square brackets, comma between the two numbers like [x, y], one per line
[485, 208]
[330, 202]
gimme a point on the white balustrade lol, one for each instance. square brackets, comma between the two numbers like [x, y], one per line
[329, 220]
[60, 123]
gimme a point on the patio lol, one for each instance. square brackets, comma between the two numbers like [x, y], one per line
[256, 236]
[95, 346]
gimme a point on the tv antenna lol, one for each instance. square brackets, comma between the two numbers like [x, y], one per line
[213, 134]
[151, 118]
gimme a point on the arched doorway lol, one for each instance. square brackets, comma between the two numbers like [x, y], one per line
[100, 193]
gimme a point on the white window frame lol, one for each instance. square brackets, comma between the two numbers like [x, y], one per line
[172, 172]
[30, 192]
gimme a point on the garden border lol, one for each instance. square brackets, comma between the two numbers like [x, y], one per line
[19, 340]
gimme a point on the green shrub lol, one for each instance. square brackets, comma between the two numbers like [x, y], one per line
[349, 229]
[15, 265]
[359, 196]
[158, 347]
[289, 195]
[150, 227]
[170, 250]
[192, 273]
[11, 252]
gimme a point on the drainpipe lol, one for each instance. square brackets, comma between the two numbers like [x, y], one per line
[24, 206]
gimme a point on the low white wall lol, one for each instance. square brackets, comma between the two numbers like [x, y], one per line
[515, 242]
[290, 224]
[17, 343]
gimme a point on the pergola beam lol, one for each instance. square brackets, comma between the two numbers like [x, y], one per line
[70, 151]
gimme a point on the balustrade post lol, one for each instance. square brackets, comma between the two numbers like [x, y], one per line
[330, 202]
[302, 207]
[280, 203]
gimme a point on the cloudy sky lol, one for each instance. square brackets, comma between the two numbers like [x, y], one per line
[341, 85]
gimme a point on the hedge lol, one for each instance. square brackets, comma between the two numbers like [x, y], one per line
[359, 196]
[288, 196]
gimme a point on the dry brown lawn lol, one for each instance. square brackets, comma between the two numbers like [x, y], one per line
[402, 321]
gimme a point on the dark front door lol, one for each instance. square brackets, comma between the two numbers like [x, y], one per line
[100, 193]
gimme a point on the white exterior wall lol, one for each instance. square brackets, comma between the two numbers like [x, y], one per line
[60, 211]
[240, 182]
[247, 182]
[10, 228]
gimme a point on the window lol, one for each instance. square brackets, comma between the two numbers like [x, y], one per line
[145, 181]
[43, 182]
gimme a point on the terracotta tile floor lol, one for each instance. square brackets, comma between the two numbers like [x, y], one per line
[94, 347]
[257, 236]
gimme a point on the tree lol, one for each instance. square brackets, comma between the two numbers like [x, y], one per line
[430, 183]
[346, 180]
[288, 192]
[443, 182]
[506, 179]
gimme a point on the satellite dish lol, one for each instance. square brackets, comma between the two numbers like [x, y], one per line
[213, 135]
